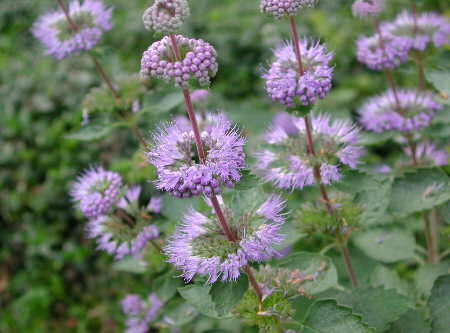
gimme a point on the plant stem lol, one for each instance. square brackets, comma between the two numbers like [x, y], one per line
[296, 42]
[349, 266]
[202, 155]
[432, 236]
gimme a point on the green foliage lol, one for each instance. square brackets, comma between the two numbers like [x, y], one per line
[440, 305]
[412, 321]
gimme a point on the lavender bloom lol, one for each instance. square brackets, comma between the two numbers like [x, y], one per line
[284, 8]
[284, 82]
[200, 96]
[414, 111]
[96, 191]
[91, 18]
[364, 8]
[287, 164]
[199, 246]
[155, 205]
[166, 16]
[140, 313]
[427, 154]
[387, 52]
[419, 31]
[180, 171]
[198, 61]
[286, 121]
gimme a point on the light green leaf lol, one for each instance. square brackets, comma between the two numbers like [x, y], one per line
[441, 81]
[389, 279]
[248, 181]
[427, 274]
[440, 305]
[131, 265]
[169, 102]
[419, 191]
[179, 313]
[386, 245]
[377, 306]
[165, 286]
[92, 131]
[226, 295]
[174, 208]
[198, 296]
[413, 321]
[320, 267]
[327, 316]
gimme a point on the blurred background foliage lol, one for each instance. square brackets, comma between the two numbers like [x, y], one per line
[51, 277]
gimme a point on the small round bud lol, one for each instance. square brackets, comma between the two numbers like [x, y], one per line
[284, 8]
[166, 16]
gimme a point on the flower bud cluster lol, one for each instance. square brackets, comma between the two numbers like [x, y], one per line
[140, 313]
[285, 83]
[284, 8]
[196, 61]
[166, 16]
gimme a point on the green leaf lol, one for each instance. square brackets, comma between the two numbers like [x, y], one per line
[419, 191]
[248, 181]
[327, 316]
[92, 131]
[179, 313]
[131, 265]
[441, 81]
[169, 102]
[174, 208]
[427, 274]
[165, 286]
[377, 306]
[389, 279]
[386, 245]
[310, 263]
[440, 305]
[198, 296]
[412, 321]
[226, 295]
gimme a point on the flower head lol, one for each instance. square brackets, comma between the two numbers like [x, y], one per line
[386, 52]
[284, 82]
[126, 232]
[364, 8]
[419, 30]
[286, 162]
[96, 191]
[90, 18]
[140, 312]
[200, 96]
[284, 8]
[179, 169]
[166, 16]
[199, 246]
[428, 154]
[405, 111]
[197, 61]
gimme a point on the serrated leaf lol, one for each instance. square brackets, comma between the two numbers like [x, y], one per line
[131, 265]
[377, 306]
[175, 208]
[440, 305]
[427, 274]
[226, 295]
[198, 296]
[327, 316]
[440, 79]
[321, 267]
[419, 191]
[386, 245]
[413, 321]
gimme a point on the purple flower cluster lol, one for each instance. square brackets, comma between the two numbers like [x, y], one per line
[91, 19]
[382, 52]
[140, 313]
[405, 111]
[166, 16]
[115, 236]
[286, 162]
[284, 8]
[96, 191]
[428, 154]
[180, 171]
[284, 82]
[199, 246]
[198, 61]
[420, 30]
[364, 8]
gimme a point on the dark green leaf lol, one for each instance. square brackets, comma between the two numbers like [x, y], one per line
[226, 295]
[413, 321]
[440, 305]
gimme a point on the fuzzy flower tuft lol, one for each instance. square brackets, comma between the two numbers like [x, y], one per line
[364, 8]
[140, 313]
[166, 16]
[91, 18]
[284, 8]
[428, 154]
[379, 53]
[197, 61]
[199, 246]
[179, 169]
[96, 191]
[286, 162]
[126, 232]
[413, 111]
[419, 31]
[200, 96]
[284, 82]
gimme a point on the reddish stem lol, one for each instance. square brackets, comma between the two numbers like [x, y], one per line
[348, 264]
[223, 221]
[296, 42]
